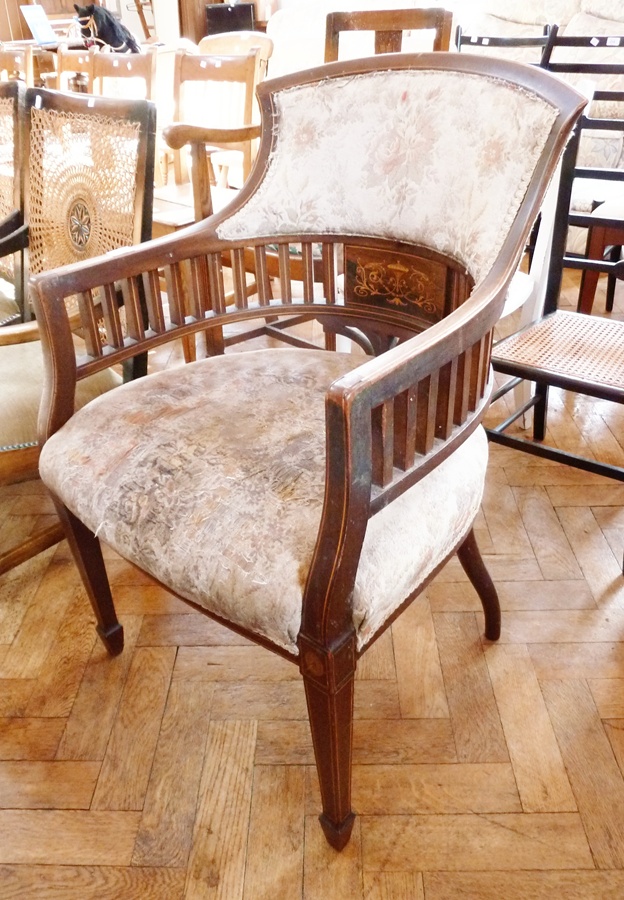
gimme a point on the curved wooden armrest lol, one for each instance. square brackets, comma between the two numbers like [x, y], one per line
[13, 233]
[19, 333]
[11, 223]
[180, 134]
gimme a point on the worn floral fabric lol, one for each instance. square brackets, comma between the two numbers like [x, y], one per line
[216, 484]
[365, 156]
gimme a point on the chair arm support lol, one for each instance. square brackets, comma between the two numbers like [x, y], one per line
[375, 453]
[13, 234]
[178, 135]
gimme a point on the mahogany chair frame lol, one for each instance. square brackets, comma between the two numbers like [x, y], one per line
[388, 422]
[389, 27]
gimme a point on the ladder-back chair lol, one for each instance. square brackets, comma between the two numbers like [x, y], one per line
[304, 497]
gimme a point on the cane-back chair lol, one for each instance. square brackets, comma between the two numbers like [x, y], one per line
[88, 165]
[304, 497]
[390, 27]
[11, 201]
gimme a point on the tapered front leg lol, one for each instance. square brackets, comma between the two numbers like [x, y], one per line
[474, 567]
[329, 680]
[87, 555]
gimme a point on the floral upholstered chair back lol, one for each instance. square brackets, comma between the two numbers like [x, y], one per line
[387, 156]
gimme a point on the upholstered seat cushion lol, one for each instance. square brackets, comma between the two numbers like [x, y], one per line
[9, 310]
[211, 477]
[21, 385]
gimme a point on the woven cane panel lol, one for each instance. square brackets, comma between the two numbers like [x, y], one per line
[570, 344]
[82, 186]
[7, 171]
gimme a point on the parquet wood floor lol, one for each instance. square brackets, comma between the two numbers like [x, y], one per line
[183, 768]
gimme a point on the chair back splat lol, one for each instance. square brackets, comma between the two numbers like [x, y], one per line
[304, 497]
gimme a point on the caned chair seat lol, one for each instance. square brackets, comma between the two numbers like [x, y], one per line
[570, 345]
[189, 468]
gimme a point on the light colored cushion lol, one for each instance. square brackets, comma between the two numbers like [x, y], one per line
[365, 165]
[211, 477]
[21, 385]
[533, 12]
[604, 9]
[9, 309]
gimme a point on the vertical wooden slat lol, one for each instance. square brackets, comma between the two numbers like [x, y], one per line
[475, 369]
[462, 390]
[175, 293]
[283, 254]
[426, 402]
[199, 289]
[130, 291]
[215, 280]
[262, 276]
[382, 422]
[88, 320]
[329, 273]
[388, 42]
[405, 428]
[308, 272]
[446, 400]
[155, 316]
[239, 278]
[112, 320]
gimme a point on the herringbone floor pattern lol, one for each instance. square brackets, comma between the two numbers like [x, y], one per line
[183, 768]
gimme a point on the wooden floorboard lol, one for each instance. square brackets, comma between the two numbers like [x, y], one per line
[183, 769]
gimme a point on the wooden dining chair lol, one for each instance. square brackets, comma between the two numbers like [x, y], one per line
[130, 75]
[389, 27]
[17, 63]
[301, 497]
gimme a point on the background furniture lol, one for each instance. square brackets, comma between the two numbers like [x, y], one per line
[574, 351]
[285, 492]
[88, 167]
[389, 27]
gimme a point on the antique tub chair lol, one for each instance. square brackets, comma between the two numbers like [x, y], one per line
[304, 497]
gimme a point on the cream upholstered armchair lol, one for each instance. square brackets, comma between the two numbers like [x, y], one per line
[304, 497]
